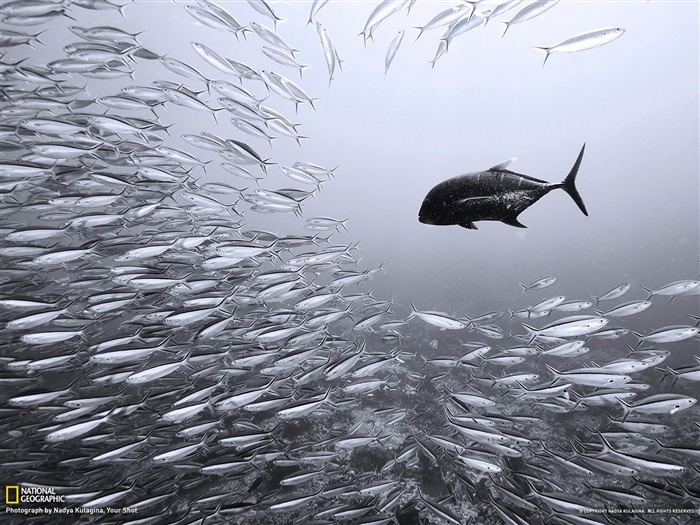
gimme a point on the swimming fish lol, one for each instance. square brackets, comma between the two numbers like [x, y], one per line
[393, 48]
[170, 351]
[496, 194]
[529, 12]
[583, 42]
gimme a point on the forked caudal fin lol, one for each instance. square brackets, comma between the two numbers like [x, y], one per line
[547, 50]
[414, 311]
[569, 183]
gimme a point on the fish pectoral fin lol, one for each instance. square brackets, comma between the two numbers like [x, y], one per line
[503, 165]
[513, 221]
[468, 225]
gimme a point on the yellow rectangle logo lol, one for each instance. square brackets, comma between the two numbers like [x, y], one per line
[11, 494]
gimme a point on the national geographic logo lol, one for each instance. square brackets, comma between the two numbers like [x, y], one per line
[15, 494]
[11, 494]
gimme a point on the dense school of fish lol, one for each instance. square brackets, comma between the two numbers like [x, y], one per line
[161, 353]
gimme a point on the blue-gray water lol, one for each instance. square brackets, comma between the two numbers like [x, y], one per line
[488, 99]
[635, 104]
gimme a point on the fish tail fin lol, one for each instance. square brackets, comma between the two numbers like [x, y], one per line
[425, 361]
[640, 337]
[607, 448]
[592, 431]
[533, 490]
[363, 34]
[438, 54]
[524, 286]
[666, 371]
[532, 332]
[547, 51]
[507, 25]
[36, 37]
[578, 402]
[414, 311]
[553, 370]
[121, 10]
[649, 291]
[625, 409]
[569, 183]
[612, 419]
[214, 112]
[493, 380]
[523, 388]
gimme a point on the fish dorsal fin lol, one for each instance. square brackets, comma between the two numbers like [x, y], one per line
[503, 165]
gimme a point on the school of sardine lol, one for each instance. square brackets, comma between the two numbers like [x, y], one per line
[163, 354]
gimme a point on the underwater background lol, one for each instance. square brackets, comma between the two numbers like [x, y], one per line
[426, 308]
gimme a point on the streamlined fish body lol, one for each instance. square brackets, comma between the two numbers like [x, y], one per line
[496, 194]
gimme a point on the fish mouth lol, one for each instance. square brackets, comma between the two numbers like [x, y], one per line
[427, 218]
[423, 216]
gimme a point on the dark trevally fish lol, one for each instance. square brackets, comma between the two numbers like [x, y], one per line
[496, 194]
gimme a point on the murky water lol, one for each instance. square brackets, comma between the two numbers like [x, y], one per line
[219, 304]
